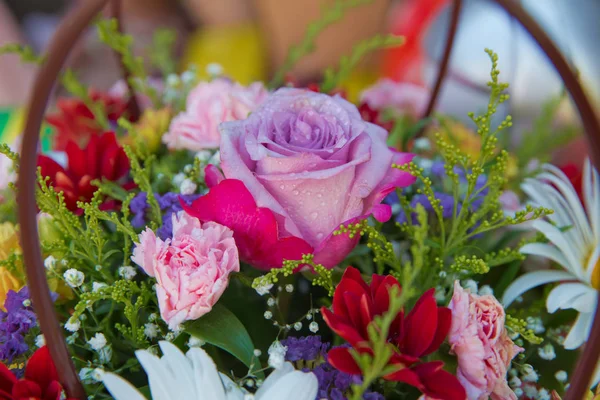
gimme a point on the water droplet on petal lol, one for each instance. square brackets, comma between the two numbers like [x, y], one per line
[296, 193]
[314, 215]
[320, 235]
[319, 195]
[281, 187]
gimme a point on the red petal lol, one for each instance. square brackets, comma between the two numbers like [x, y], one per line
[407, 376]
[440, 384]
[85, 188]
[40, 368]
[7, 380]
[122, 164]
[256, 232]
[420, 325]
[343, 328]
[444, 320]
[78, 160]
[94, 156]
[54, 391]
[26, 390]
[347, 284]
[49, 167]
[342, 360]
[382, 294]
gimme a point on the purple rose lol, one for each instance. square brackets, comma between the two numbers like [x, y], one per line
[312, 160]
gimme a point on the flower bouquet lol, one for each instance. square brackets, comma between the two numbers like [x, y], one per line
[208, 240]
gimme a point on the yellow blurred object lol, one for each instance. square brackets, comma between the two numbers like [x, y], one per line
[357, 82]
[457, 134]
[238, 49]
[153, 124]
[9, 240]
[7, 283]
[58, 286]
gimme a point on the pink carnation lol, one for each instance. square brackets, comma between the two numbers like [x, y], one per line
[403, 97]
[191, 270]
[479, 340]
[209, 104]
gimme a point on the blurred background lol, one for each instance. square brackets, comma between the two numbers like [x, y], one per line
[250, 39]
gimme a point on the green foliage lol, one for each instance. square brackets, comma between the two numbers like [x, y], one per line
[544, 137]
[108, 32]
[314, 29]
[161, 54]
[132, 296]
[221, 328]
[142, 177]
[322, 276]
[519, 326]
[450, 238]
[333, 78]
[79, 90]
[376, 366]
[26, 53]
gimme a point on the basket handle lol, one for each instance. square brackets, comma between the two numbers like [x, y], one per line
[63, 40]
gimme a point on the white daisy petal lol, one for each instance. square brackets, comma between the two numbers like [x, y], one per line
[586, 303]
[579, 332]
[208, 381]
[531, 280]
[558, 239]
[274, 377]
[177, 362]
[119, 388]
[158, 375]
[546, 251]
[563, 296]
[592, 262]
[591, 196]
[295, 385]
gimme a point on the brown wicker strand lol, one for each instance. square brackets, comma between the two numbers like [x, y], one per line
[443, 69]
[133, 106]
[64, 39]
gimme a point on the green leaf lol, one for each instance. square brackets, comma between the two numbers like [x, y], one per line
[223, 329]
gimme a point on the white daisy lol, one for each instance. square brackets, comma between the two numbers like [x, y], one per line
[574, 244]
[194, 376]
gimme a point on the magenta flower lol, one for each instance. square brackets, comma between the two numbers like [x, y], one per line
[209, 104]
[479, 340]
[403, 97]
[313, 162]
[191, 270]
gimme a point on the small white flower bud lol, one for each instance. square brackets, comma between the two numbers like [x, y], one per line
[97, 342]
[214, 69]
[151, 330]
[127, 272]
[289, 288]
[40, 341]
[195, 342]
[313, 327]
[257, 353]
[188, 187]
[271, 302]
[561, 376]
[73, 325]
[268, 315]
[50, 262]
[74, 278]
[298, 326]
[264, 289]
[277, 354]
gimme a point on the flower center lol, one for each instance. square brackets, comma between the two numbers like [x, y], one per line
[596, 275]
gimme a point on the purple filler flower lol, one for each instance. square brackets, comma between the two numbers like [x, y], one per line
[15, 324]
[168, 203]
[307, 348]
[333, 384]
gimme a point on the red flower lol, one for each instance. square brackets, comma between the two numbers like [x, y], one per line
[575, 175]
[40, 381]
[374, 116]
[75, 122]
[255, 229]
[420, 333]
[101, 158]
